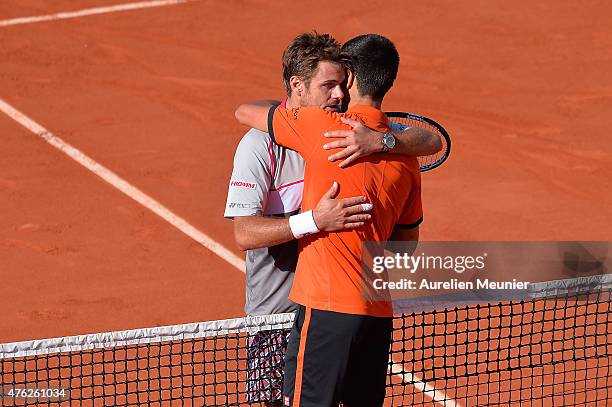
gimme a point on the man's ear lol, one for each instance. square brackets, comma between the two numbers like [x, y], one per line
[296, 85]
[350, 79]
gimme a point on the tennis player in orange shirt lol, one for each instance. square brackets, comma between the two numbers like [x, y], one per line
[338, 348]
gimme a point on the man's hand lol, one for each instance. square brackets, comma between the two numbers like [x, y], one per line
[333, 215]
[359, 142]
[362, 141]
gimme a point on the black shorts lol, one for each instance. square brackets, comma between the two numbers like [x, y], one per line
[334, 357]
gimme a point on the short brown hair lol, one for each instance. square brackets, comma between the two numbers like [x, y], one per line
[303, 54]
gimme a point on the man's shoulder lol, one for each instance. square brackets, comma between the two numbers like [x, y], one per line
[311, 113]
[253, 148]
[254, 138]
[370, 116]
[257, 146]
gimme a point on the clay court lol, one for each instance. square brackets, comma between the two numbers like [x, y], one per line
[149, 94]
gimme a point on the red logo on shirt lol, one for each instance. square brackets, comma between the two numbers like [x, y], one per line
[243, 184]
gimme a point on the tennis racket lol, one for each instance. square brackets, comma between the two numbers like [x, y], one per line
[428, 162]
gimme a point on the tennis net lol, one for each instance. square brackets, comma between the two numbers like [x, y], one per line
[554, 348]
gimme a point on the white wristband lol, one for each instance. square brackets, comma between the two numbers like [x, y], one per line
[303, 224]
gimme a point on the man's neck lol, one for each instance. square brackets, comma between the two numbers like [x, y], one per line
[365, 100]
[292, 102]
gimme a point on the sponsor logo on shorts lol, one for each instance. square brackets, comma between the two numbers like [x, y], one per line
[243, 184]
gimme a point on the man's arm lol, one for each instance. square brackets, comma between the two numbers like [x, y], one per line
[403, 240]
[407, 227]
[359, 142]
[255, 114]
[402, 234]
[253, 232]
[362, 141]
[330, 215]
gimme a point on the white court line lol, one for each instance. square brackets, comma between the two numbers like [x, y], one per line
[124, 186]
[437, 396]
[91, 11]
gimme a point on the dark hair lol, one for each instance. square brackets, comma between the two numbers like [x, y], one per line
[303, 54]
[374, 62]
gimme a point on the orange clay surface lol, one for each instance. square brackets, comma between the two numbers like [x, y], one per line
[525, 91]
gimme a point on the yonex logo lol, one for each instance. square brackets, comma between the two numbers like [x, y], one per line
[243, 184]
[239, 205]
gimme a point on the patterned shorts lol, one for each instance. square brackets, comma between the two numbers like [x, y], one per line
[265, 362]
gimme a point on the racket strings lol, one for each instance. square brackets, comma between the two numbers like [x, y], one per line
[429, 161]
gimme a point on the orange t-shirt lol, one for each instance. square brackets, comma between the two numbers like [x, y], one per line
[329, 271]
